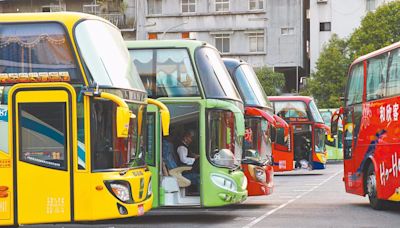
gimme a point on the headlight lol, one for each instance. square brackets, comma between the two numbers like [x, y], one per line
[244, 183]
[121, 190]
[224, 182]
[260, 175]
[149, 189]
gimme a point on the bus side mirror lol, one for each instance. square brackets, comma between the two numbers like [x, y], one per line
[124, 116]
[334, 124]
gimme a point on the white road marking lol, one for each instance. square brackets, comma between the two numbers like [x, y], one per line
[268, 213]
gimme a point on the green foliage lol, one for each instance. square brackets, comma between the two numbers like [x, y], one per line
[272, 82]
[378, 29]
[328, 83]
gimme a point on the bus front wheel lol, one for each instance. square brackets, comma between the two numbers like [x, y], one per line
[371, 190]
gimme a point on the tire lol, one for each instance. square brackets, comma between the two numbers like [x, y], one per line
[371, 191]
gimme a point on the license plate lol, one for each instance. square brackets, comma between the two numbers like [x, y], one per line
[140, 209]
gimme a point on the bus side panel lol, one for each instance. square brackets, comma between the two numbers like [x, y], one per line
[382, 119]
[6, 166]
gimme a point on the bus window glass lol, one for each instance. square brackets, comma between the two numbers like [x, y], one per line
[291, 109]
[96, 40]
[36, 48]
[214, 77]
[355, 86]
[43, 139]
[376, 77]
[109, 151]
[166, 72]
[251, 88]
[393, 84]
[315, 113]
[257, 143]
[225, 149]
[319, 137]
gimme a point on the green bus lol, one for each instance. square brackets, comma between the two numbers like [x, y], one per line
[190, 78]
[333, 144]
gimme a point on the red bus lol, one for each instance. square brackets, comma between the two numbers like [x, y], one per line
[307, 134]
[260, 122]
[371, 142]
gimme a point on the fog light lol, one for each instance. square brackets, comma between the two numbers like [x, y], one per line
[121, 209]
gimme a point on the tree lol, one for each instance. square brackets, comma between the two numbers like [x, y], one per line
[272, 82]
[378, 29]
[328, 83]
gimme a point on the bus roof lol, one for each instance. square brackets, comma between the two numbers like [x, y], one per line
[143, 44]
[63, 17]
[290, 98]
[377, 52]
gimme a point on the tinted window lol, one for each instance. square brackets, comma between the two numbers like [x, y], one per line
[355, 86]
[214, 77]
[43, 140]
[36, 48]
[250, 87]
[376, 77]
[393, 83]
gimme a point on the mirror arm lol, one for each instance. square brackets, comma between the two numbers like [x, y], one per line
[165, 115]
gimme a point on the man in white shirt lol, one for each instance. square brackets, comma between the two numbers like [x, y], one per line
[183, 149]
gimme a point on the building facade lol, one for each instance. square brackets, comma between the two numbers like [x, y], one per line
[341, 17]
[271, 33]
[119, 12]
[262, 32]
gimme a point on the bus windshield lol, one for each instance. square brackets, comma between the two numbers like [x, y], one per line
[109, 151]
[315, 113]
[96, 40]
[291, 110]
[166, 72]
[252, 91]
[214, 77]
[225, 148]
[257, 140]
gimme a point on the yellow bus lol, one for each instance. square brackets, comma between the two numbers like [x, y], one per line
[72, 114]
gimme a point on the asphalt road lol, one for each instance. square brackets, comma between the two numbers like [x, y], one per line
[300, 199]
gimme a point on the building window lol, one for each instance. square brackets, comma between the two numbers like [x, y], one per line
[221, 5]
[154, 7]
[370, 5]
[256, 42]
[324, 26]
[223, 43]
[256, 4]
[287, 31]
[188, 6]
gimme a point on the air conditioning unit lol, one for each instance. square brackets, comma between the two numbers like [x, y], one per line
[322, 1]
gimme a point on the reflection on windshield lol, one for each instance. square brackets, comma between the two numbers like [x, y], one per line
[225, 148]
[166, 72]
[105, 55]
[315, 112]
[257, 141]
[109, 151]
[291, 109]
[248, 84]
[214, 77]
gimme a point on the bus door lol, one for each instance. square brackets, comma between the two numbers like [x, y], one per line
[154, 145]
[283, 155]
[351, 116]
[43, 122]
[302, 145]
